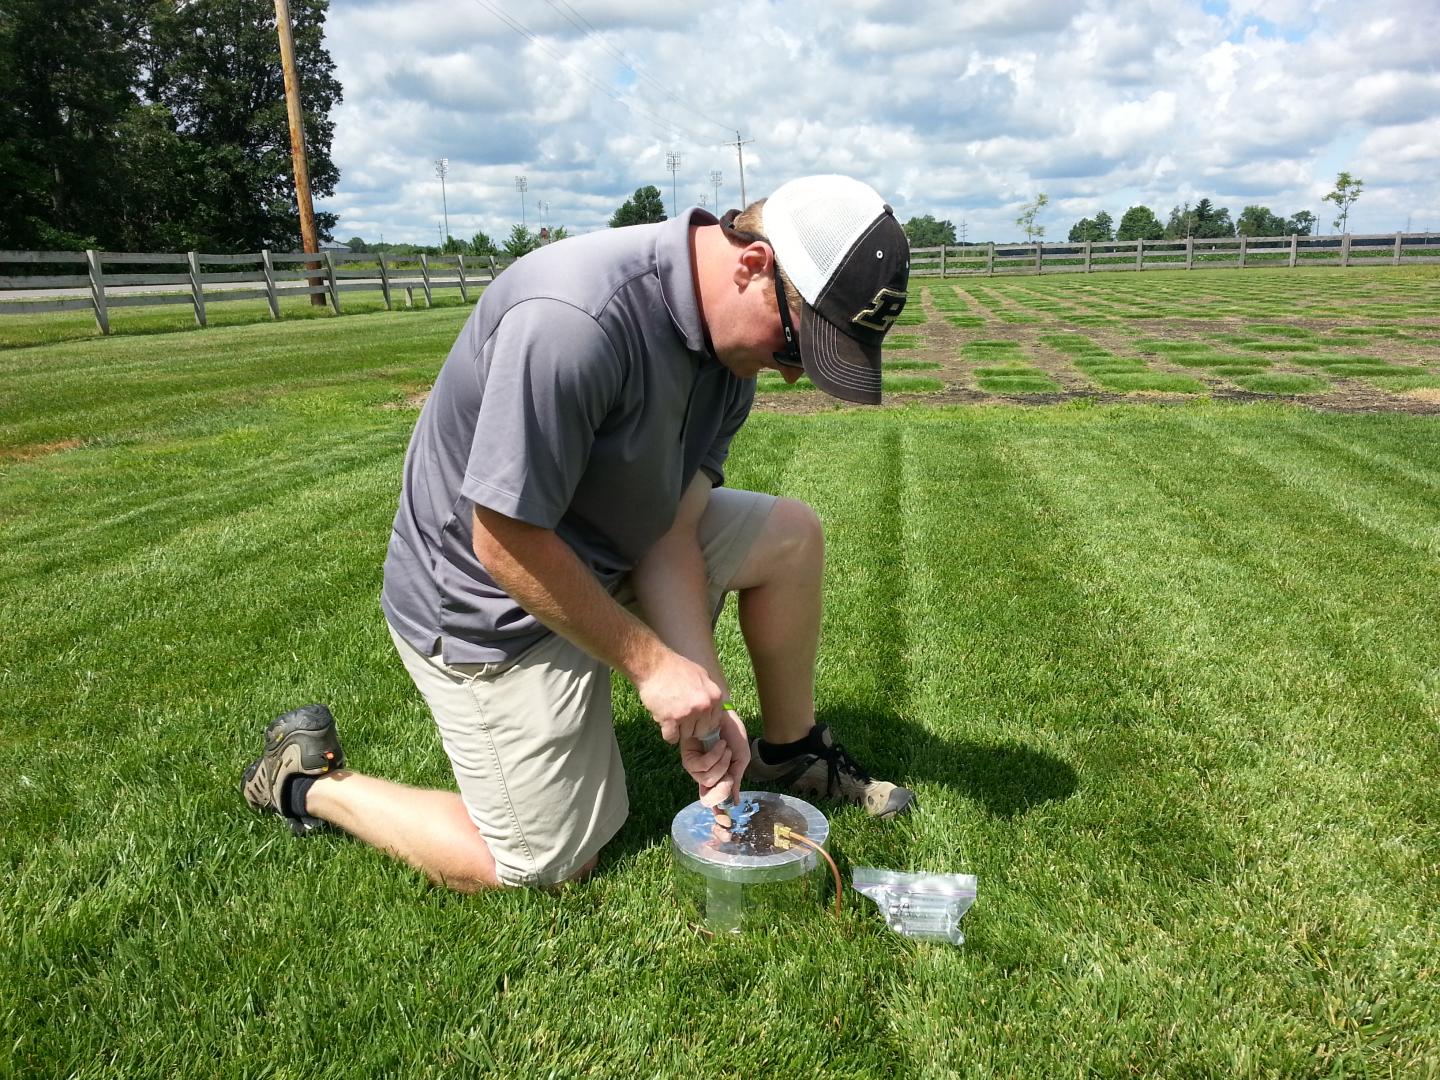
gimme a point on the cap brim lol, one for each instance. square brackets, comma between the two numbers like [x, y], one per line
[837, 363]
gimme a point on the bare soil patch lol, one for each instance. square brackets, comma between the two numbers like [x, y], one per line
[31, 451]
[415, 400]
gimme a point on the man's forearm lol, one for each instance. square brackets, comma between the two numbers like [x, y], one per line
[549, 581]
[671, 586]
[539, 570]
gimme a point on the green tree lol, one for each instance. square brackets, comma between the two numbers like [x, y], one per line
[1180, 224]
[1347, 190]
[155, 211]
[1259, 221]
[357, 244]
[1212, 222]
[644, 207]
[1098, 230]
[480, 244]
[215, 64]
[1221, 225]
[925, 231]
[1204, 220]
[67, 73]
[1139, 223]
[1028, 213]
[521, 242]
[1301, 224]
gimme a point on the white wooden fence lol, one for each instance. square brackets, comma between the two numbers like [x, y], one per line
[1240, 252]
[279, 275]
[323, 273]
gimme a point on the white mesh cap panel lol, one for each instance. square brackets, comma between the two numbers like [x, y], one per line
[813, 222]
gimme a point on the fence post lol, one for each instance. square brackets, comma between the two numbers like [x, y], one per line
[1244, 242]
[1087, 256]
[1189, 253]
[1139, 253]
[425, 277]
[494, 269]
[270, 295]
[1039, 257]
[197, 290]
[97, 290]
[1345, 250]
[1294, 249]
[330, 273]
[1397, 248]
[942, 260]
[990, 260]
[460, 264]
[385, 282]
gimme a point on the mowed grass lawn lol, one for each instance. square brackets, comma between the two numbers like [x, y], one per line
[1164, 678]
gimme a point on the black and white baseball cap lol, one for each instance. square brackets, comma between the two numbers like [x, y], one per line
[839, 244]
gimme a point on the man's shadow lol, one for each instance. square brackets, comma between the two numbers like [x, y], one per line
[1005, 778]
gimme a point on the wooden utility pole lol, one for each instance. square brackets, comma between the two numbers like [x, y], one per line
[297, 144]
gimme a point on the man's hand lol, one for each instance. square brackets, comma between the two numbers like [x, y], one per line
[681, 696]
[718, 771]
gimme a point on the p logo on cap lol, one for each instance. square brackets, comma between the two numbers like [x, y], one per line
[883, 310]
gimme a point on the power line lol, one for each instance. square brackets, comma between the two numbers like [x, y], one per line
[568, 12]
[670, 128]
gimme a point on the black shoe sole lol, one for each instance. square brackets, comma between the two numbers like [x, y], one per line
[306, 720]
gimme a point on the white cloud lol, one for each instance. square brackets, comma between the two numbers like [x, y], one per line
[960, 110]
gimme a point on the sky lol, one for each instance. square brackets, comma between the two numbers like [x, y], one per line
[965, 110]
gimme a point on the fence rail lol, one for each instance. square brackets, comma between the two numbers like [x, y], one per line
[280, 274]
[1239, 252]
[270, 272]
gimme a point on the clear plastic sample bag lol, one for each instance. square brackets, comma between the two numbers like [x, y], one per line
[927, 906]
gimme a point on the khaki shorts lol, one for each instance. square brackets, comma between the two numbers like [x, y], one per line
[532, 740]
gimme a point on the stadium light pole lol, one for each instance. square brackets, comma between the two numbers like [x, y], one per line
[672, 162]
[740, 145]
[522, 185]
[442, 170]
[715, 179]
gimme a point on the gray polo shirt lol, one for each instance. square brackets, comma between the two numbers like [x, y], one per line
[581, 396]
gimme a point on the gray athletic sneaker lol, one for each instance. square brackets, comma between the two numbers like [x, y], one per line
[302, 742]
[831, 774]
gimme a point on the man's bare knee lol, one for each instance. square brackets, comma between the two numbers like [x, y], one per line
[790, 548]
[468, 875]
[799, 535]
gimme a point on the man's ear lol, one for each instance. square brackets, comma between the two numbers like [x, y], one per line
[755, 262]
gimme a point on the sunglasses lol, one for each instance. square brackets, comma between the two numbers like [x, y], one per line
[790, 355]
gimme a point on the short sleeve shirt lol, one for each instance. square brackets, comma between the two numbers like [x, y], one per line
[582, 397]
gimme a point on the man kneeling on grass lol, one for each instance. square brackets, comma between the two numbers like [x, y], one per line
[561, 515]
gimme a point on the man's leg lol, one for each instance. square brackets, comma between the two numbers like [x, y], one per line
[429, 829]
[780, 595]
[780, 584]
[532, 747]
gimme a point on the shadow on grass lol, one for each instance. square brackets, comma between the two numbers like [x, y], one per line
[1006, 778]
